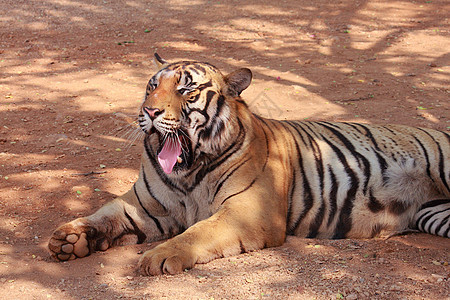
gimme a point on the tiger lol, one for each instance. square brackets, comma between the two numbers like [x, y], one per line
[217, 180]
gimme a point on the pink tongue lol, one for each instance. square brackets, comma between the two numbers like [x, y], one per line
[168, 156]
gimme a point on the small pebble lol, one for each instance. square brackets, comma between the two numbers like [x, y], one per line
[352, 297]
[437, 277]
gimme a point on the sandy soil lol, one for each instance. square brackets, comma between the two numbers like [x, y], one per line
[72, 72]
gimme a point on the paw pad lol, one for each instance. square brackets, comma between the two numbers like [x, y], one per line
[66, 245]
[67, 248]
[81, 248]
[72, 238]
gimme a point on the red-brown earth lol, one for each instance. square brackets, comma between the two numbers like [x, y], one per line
[73, 74]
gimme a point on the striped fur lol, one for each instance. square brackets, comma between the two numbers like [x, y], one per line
[434, 217]
[243, 182]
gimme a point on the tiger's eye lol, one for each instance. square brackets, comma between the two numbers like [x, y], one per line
[183, 91]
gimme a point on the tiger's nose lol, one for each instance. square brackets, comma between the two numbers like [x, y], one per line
[153, 112]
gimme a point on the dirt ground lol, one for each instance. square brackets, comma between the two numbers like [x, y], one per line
[73, 73]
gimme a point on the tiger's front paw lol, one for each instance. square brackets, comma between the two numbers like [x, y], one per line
[75, 240]
[164, 259]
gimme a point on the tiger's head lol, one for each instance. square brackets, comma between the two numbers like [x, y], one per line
[188, 111]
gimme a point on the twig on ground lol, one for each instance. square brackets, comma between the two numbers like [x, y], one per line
[88, 173]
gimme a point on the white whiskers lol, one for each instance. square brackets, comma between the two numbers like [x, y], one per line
[132, 134]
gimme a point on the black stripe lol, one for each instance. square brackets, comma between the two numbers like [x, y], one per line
[443, 222]
[315, 225]
[174, 230]
[139, 233]
[428, 229]
[202, 132]
[308, 200]
[157, 223]
[425, 153]
[374, 205]
[192, 171]
[204, 113]
[441, 160]
[220, 104]
[227, 153]
[217, 125]
[318, 160]
[441, 168]
[307, 197]
[420, 218]
[235, 194]
[291, 198]
[434, 203]
[421, 222]
[188, 76]
[267, 145]
[381, 161]
[209, 96]
[446, 135]
[441, 210]
[398, 207]
[239, 100]
[355, 126]
[333, 196]
[383, 167]
[200, 67]
[221, 182]
[219, 128]
[205, 85]
[293, 181]
[297, 125]
[264, 121]
[390, 130]
[194, 70]
[344, 224]
[356, 154]
[149, 189]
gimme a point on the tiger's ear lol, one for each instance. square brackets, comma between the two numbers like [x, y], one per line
[159, 61]
[238, 81]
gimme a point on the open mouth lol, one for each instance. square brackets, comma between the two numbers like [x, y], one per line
[175, 151]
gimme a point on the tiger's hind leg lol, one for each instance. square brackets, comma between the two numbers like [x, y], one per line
[405, 190]
[434, 217]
